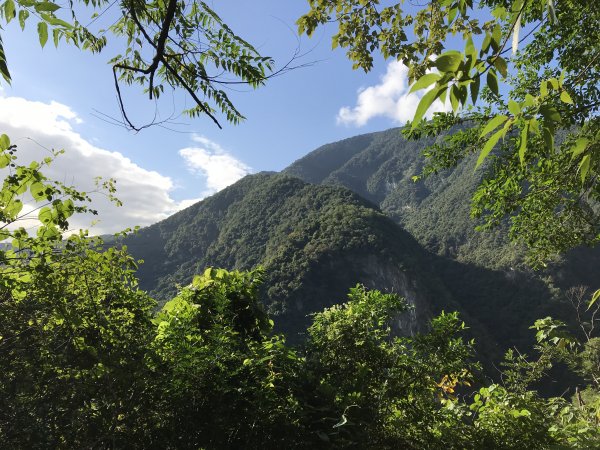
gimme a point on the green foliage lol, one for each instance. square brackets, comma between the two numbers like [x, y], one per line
[539, 107]
[73, 326]
[87, 361]
[382, 391]
[483, 271]
[435, 210]
[74, 329]
[181, 45]
[225, 382]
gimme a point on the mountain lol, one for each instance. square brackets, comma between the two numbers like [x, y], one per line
[350, 213]
[315, 242]
[436, 211]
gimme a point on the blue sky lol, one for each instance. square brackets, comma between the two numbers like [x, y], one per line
[56, 95]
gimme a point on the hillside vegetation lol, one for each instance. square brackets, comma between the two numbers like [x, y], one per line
[315, 241]
[311, 240]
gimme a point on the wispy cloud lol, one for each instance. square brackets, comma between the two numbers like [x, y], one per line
[389, 98]
[36, 126]
[215, 164]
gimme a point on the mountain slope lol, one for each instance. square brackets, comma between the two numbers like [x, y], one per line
[313, 241]
[436, 211]
[316, 241]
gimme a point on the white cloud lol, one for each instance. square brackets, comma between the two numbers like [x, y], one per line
[210, 160]
[389, 98]
[145, 193]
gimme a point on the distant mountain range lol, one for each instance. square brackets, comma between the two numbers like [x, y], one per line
[350, 213]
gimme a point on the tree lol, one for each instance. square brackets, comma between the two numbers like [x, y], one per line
[73, 325]
[534, 122]
[177, 44]
[225, 380]
[368, 388]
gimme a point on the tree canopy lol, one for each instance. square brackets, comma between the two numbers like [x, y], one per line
[174, 44]
[534, 119]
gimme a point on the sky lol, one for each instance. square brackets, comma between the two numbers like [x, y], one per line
[61, 98]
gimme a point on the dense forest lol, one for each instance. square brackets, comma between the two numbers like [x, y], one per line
[430, 287]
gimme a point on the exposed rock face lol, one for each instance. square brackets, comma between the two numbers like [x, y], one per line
[391, 278]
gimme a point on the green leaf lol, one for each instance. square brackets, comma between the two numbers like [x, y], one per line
[475, 89]
[13, 208]
[499, 12]
[594, 299]
[489, 145]
[4, 160]
[55, 36]
[425, 103]
[500, 64]
[523, 144]
[579, 146]
[45, 215]
[544, 89]
[496, 36]
[452, 15]
[454, 98]
[49, 232]
[566, 98]
[486, 44]
[37, 190]
[56, 21]
[425, 81]
[9, 10]
[43, 33]
[3, 67]
[23, 15]
[550, 113]
[449, 61]
[494, 123]
[4, 142]
[492, 82]
[584, 167]
[470, 48]
[529, 101]
[46, 7]
[514, 108]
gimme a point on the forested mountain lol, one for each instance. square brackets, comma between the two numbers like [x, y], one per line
[316, 241]
[436, 211]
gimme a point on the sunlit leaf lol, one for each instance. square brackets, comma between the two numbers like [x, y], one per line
[579, 146]
[489, 145]
[424, 104]
[493, 123]
[449, 61]
[42, 28]
[425, 81]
